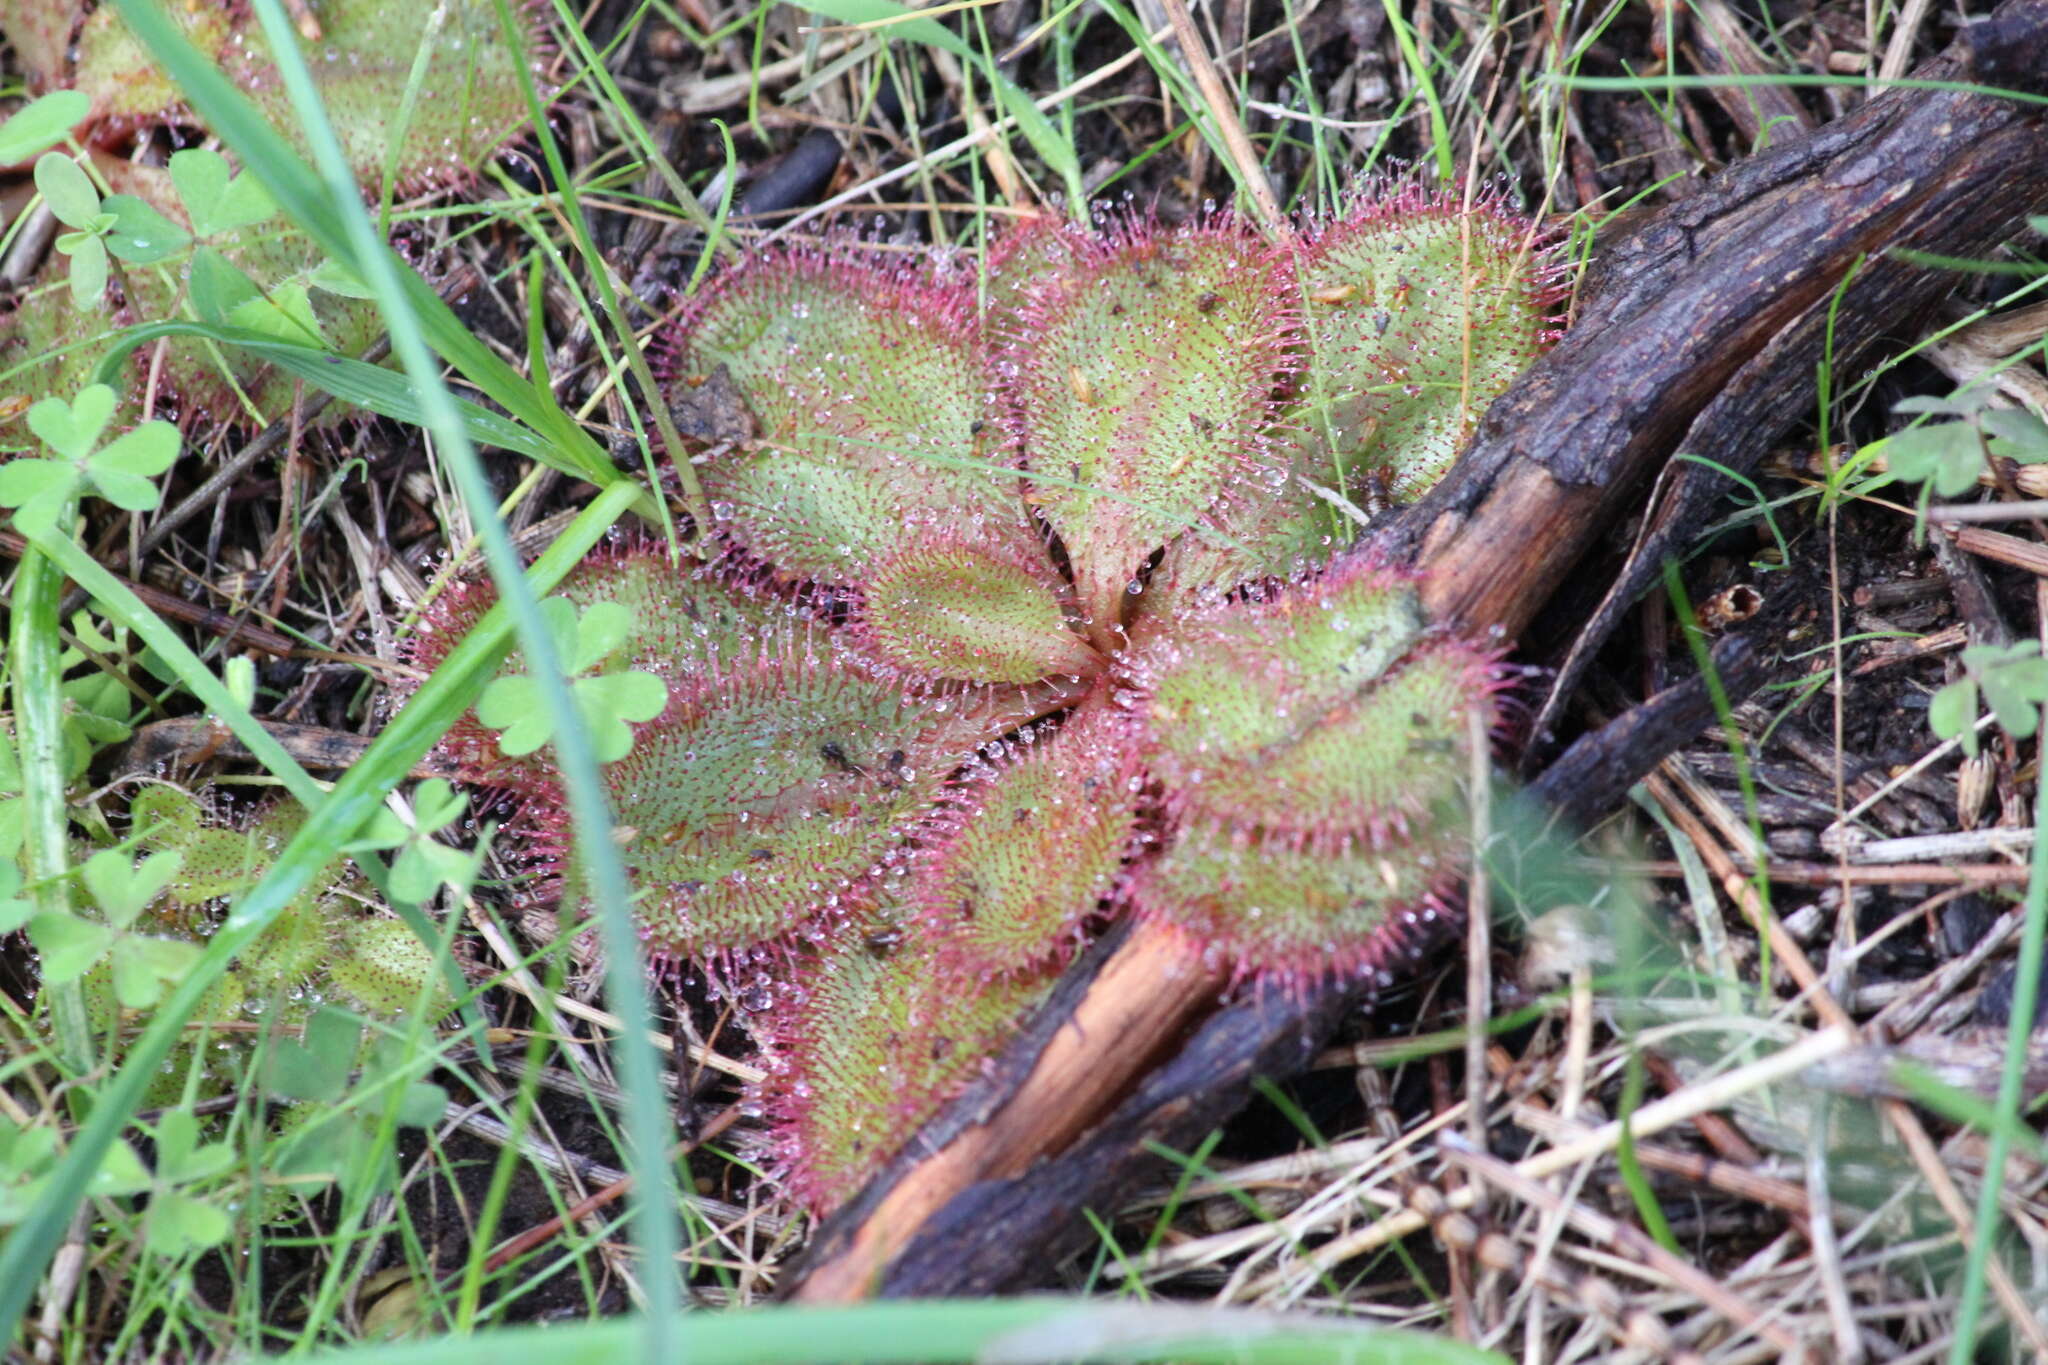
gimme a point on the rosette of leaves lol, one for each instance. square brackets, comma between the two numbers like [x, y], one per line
[152, 233]
[1033, 610]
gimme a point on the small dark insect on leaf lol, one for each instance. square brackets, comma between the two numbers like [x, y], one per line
[1208, 303]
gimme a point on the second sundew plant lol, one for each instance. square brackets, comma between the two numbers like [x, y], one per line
[160, 226]
[1033, 610]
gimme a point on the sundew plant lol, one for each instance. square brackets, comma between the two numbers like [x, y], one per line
[1032, 608]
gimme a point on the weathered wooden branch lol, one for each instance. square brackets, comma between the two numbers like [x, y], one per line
[1703, 336]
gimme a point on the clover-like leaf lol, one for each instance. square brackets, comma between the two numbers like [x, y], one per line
[145, 967]
[41, 123]
[216, 287]
[42, 482]
[88, 254]
[423, 865]
[121, 1172]
[437, 805]
[1951, 454]
[216, 203]
[180, 1156]
[384, 831]
[14, 911]
[2011, 679]
[607, 703]
[139, 233]
[1948, 454]
[26, 1154]
[600, 630]
[68, 945]
[95, 715]
[179, 1224]
[285, 313]
[422, 1103]
[73, 429]
[2014, 680]
[335, 278]
[1952, 713]
[122, 470]
[317, 1068]
[67, 190]
[2017, 435]
[1965, 404]
[514, 705]
[123, 889]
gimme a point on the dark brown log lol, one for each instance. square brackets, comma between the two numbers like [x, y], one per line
[1703, 335]
[1593, 775]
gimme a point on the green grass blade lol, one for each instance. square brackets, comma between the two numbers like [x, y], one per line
[648, 1128]
[602, 278]
[128, 610]
[1018, 1331]
[321, 210]
[1963, 1108]
[382, 391]
[36, 657]
[1418, 70]
[2026, 991]
[354, 800]
[614, 105]
[1053, 149]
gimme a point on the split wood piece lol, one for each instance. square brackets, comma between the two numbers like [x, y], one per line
[1721, 48]
[1593, 775]
[2021, 554]
[1704, 335]
[1711, 321]
[201, 739]
[1785, 873]
[236, 631]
